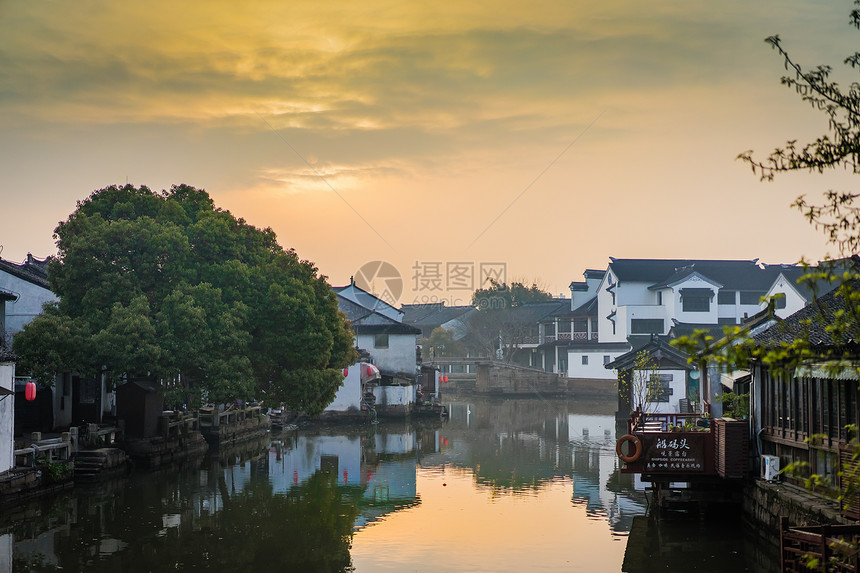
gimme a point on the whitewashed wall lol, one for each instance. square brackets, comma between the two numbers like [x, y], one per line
[398, 357]
[595, 367]
[31, 297]
[349, 395]
[7, 417]
[679, 390]
[394, 395]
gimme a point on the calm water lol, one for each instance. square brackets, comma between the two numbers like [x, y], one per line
[521, 485]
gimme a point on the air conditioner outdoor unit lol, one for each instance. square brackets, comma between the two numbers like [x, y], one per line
[770, 468]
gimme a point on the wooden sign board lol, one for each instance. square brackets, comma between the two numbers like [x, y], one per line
[674, 452]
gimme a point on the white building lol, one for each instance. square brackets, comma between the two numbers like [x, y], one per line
[7, 410]
[617, 310]
[28, 284]
[392, 347]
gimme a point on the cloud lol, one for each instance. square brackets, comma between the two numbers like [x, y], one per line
[343, 66]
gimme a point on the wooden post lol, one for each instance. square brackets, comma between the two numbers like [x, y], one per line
[825, 554]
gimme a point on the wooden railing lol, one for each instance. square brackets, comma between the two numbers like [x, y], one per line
[832, 547]
[643, 422]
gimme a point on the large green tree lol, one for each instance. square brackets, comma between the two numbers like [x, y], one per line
[166, 285]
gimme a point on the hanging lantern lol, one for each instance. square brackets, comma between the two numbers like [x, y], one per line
[30, 391]
[370, 370]
[345, 372]
[446, 378]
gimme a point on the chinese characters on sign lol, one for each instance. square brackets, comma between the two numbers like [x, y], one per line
[675, 454]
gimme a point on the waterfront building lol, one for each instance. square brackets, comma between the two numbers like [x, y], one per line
[807, 413]
[391, 347]
[72, 400]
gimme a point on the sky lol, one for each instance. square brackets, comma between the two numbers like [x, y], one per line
[531, 139]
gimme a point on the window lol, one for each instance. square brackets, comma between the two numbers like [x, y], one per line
[660, 387]
[726, 297]
[380, 341]
[606, 359]
[564, 326]
[751, 297]
[696, 299]
[585, 360]
[727, 320]
[779, 301]
[659, 297]
[549, 329]
[646, 326]
[580, 325]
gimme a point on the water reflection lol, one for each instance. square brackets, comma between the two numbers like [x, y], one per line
[503, 486]
[524, 445]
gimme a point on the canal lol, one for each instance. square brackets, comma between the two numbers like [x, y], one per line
[503, 485]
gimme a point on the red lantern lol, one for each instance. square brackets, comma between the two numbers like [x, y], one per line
[370, 370]
[446, 379]
[30, 391]
[345, 372]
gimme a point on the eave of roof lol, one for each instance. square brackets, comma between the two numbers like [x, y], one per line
[28, 272]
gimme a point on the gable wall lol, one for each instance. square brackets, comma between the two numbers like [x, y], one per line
[31, 298]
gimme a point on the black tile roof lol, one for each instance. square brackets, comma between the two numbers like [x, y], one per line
[588, 308]
[432, 315]
[538, 311]
[675, 277]
[659, 349]
[820, 287]
[32, 270]
[396, 328]
[732, 274]
[812, 322]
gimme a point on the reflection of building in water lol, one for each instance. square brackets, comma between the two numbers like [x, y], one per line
[596, 480]
[374, 473]
[6, 552]
[378, 469]
[526, 444]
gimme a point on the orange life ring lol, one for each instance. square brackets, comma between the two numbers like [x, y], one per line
[637, 448]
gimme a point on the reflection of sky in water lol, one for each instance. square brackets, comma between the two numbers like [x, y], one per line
[497, 477]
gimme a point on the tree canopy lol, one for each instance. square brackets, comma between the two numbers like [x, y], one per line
[503, 322]
[168, 286]
[500, 295]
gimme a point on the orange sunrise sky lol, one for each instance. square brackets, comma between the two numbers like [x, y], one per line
[545, 135]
